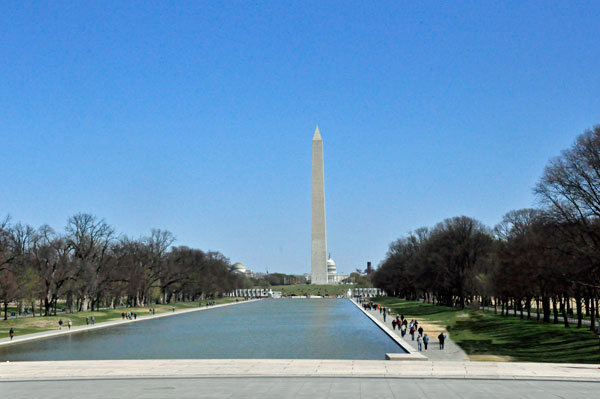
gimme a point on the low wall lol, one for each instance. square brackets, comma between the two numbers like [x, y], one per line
[411, 353]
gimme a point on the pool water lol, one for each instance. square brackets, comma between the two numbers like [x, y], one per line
[266, 329]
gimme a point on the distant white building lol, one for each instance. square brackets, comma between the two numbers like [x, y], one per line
[332, 275]
[241, 269]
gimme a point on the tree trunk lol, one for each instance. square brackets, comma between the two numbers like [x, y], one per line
[554, 310]
[546, 308]
[594, 302]
[563, 310]
[85, 304]
[47, 306]
[5, 310]
[579, 311]
[521, 308]
[70, 301]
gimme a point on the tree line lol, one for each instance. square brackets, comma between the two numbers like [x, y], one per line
[547, 258]
[88, 267]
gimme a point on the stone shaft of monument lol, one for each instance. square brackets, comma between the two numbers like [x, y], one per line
[319, 232]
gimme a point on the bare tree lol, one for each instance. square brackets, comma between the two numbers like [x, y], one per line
[90, 239]
[570, 192]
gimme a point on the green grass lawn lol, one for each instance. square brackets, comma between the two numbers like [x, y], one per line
[28, 325]
[309, 289]
[485, 333]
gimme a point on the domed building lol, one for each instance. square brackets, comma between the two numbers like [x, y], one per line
[331, 269]
[332, 275]
[239, 267]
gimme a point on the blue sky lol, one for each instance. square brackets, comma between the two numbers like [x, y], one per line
[198, 118]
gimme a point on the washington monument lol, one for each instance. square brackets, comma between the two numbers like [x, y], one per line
[319, 232]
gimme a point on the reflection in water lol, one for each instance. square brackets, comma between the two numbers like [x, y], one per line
[272, 328]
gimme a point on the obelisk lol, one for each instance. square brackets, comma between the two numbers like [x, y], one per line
[319, 232]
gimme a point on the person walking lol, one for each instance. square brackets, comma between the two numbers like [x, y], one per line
[420, 330]
[441, 338]
[425, 341]
[69, 323]
[135, 316]
[384, 316]
[87, 321]
[394, 324]
[419, 343]
[60, 323]
[11, 332]
[93, 320]
[412, 333]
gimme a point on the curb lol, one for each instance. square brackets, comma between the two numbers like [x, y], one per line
[106, 324]
[411, 354]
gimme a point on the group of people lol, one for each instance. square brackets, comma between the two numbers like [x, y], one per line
[402, 324]
[60, 324]
[92, 320]
[128, 316]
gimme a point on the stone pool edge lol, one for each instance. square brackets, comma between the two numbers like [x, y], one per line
[106, 324]
[411, 354]
[234, 368]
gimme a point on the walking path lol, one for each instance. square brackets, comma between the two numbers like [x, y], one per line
[294, 368]
[451, 351]
[297, 388]
[65, 330]
[411, 353]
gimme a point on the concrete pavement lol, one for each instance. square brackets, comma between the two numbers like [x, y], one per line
[295, 368]
[308, 387]
[411, 353]
[451, 351]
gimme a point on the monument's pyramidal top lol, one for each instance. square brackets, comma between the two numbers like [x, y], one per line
[317, 136]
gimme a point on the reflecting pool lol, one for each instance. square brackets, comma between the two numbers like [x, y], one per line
[266, 329]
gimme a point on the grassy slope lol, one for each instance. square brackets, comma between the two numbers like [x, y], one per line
[484, 333]
[30, 325]
[308, 289]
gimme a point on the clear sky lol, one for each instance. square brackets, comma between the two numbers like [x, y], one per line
[198, 118]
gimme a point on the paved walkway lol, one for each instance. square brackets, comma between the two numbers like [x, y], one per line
[294, 368]
[305, 388]
[451, 352]
[65, 330]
